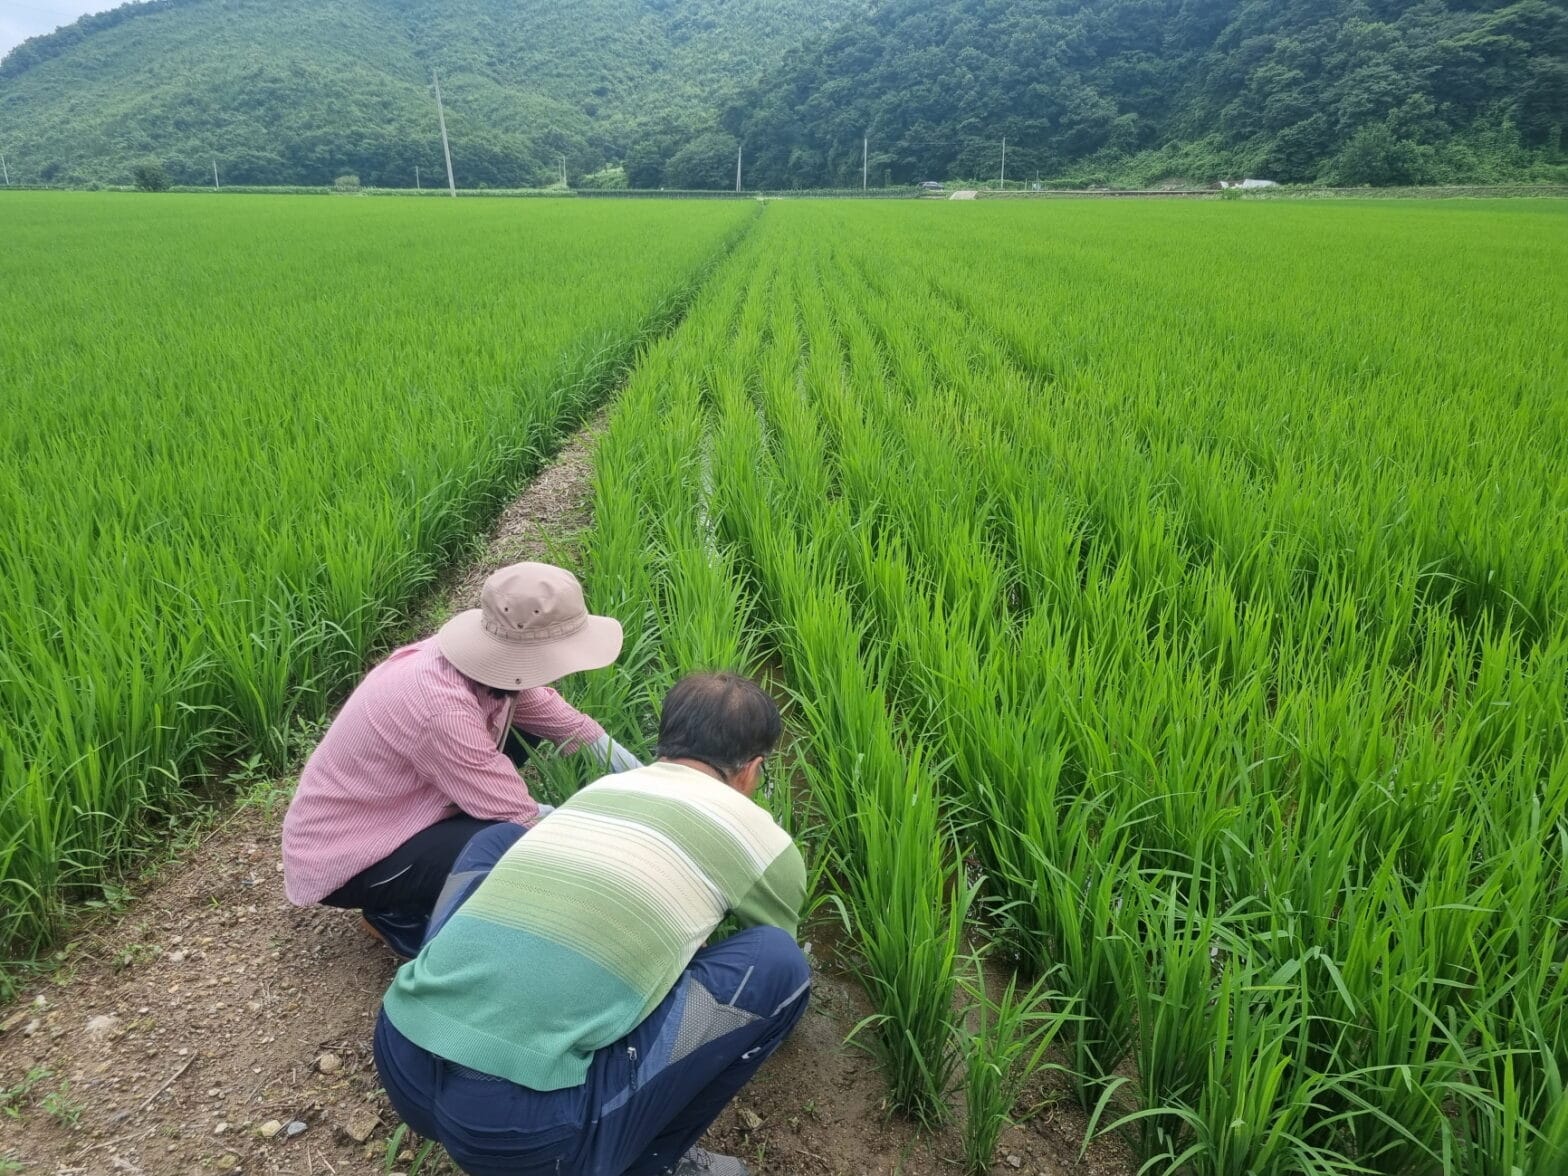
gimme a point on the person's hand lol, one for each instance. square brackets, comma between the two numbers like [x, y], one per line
[615, 757]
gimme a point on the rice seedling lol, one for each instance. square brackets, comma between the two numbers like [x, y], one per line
[1003, 1048]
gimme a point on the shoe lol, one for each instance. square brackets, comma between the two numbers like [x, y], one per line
[701, 1162]
[369, 929]
[402, 934]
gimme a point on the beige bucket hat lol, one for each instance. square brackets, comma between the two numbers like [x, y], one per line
[531, 627]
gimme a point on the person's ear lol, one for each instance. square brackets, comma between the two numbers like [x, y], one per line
[748, 778]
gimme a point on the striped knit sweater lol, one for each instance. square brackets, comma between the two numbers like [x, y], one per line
[588, 921]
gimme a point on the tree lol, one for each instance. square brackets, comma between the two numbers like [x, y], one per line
[305, 107]
[708, 161]
[645, 165]
[1376, 158]
[1293, 156]
[150, 177]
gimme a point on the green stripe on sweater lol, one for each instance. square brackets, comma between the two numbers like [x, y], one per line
[539, 1036]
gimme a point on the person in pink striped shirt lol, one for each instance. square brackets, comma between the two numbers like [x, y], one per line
[424, 754]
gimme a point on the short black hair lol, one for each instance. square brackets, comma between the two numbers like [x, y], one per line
[723, 720]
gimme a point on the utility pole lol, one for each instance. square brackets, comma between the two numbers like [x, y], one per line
[865, 161]
[418, 187]
[563, 169]
[446, 147]
[1004, 163]
[216, 186]
[738, 151]
[5, 169]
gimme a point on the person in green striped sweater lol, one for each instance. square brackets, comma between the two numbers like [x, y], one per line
[566, 1014]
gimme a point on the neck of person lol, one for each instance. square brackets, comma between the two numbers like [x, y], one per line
[697, 766]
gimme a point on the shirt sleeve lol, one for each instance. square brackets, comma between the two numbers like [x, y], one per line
[776, 898]
[543, 712]
[459, 757]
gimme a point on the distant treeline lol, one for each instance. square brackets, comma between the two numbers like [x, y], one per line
[663, 93]
[1337, 91]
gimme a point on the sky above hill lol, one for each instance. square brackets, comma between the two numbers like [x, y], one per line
[20, 19]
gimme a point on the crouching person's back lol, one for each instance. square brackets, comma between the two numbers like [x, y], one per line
[565, 1015]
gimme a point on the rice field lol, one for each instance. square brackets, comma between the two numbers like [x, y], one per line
[238, 439]
[1173, 604]
[1170, 599]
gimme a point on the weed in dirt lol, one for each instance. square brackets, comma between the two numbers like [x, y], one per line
[61, 1107]
[136, 953]
[114, 898]
[426, 1160]
[14, 1099]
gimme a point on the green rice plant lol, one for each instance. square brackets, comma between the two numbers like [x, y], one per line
[688, 416]
[908, 925]
[1004, 1046]
[1175, 1016]
[1255, 1110]
[895, 874]
[1218, 616]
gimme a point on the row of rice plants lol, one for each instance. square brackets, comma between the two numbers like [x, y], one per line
[659, 555]
[1216, 625]
[239, 440]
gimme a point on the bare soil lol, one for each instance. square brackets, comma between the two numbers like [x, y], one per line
[210, 1027]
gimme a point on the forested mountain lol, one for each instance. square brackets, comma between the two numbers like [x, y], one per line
[300, 91]
[1358, 91]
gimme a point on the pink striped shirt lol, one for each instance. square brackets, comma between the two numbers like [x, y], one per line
[415, 743]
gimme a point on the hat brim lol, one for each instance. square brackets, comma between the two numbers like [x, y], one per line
[510, 665]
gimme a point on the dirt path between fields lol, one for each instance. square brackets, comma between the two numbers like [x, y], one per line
[213, 1028]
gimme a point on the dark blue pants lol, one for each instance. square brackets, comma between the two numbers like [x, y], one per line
[647, 1098]
[398, 893]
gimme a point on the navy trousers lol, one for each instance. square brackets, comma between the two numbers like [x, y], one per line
[647, 1098]
[398, 893]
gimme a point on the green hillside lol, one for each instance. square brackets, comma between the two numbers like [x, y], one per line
[297, 91]
[1133, 91]
[1350, 91]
